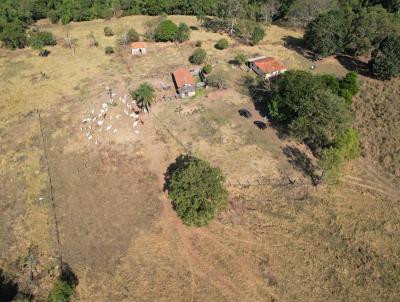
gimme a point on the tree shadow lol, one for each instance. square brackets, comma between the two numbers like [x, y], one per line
[180, 161]
[356, 65]
[298, 45]
[302, 163]
[68, 276]
[260, 93]
[8, 288]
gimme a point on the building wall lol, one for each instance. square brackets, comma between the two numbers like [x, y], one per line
[138, 51]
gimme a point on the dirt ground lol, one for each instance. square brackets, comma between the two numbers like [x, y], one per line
[99, 202]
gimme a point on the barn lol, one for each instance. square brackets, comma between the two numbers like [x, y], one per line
[138, 48]
[184, 81]
[266, 67]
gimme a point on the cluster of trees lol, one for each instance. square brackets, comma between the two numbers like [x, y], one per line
[316, 110]
[167, 30]
[198, 56]
[359, 32]
[196, 190]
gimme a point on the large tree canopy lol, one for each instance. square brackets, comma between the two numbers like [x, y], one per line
[196, 190]
[385, 61]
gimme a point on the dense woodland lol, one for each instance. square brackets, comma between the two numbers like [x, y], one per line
[17, 15]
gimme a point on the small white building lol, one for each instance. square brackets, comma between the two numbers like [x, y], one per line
[138, 48]
[266, 67]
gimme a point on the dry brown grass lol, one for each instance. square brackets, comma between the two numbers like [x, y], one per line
[117, 229]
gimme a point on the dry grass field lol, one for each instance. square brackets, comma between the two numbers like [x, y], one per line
[100, 204]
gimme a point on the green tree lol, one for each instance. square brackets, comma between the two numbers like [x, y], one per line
[144, 96]
[130, 36]
[309, 109]
[41, 39]
[12, 35]
[257, 36]
[207, 69]
[326, 35]
[166, 31]
[350, 83]
[385, 60]
[108, 50]
[108, 32]
[198, 56]
[196, 190]
[183, 33]
[221, 44]
[61, 291]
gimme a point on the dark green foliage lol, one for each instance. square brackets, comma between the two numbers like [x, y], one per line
[198, 43]
[196, 190]
[108, 32]
[350, 83]
[132, 36]
[331, 82]
[326, 35]
[12, 35]
[385, 60]
[207, 69]
[61, 292]
[183, 33]
[257, 35]
[144, 96]
[347, 95]
[309, 109]
[108, 50]
[166, 31]
[41, 39]
[198, 56]
[221, 44]
[369, 27]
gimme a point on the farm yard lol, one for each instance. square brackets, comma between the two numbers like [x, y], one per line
[82, 179]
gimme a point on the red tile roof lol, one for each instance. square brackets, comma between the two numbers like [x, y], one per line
[138, 45]
[269, 65]
[183, 77]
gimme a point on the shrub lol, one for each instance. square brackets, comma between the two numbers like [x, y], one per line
[166, 31]
[347, 95]
[41, 39]
[257, 35]
[61, 291]
[108, 32]
[196, 190]
[132, 36]
[198, 43]
[44, 53]
[183, 33]
[207, 69]
[221, 44]
[198, 56]
[240, 59]
[385, 60]
[53, 16]
[350, 83]
[218, 79]
[109, 50]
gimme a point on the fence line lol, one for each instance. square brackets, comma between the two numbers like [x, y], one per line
[45, 153]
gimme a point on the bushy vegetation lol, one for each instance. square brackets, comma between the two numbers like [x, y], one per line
[130, 36]
[41, 39]
[108, 32]
[313, 110]
[109, 50]
[167, 30]
[221, 44]
[207, 69]
[218, 79]
[61, 291]
[144, 96]
[183, 33]
[198, 56]
[353, 32]
[385, 61]
[196, 190]
[240, 59]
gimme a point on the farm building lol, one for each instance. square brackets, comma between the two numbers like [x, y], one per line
[266, 67]
[184, 82]
[138, 48]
